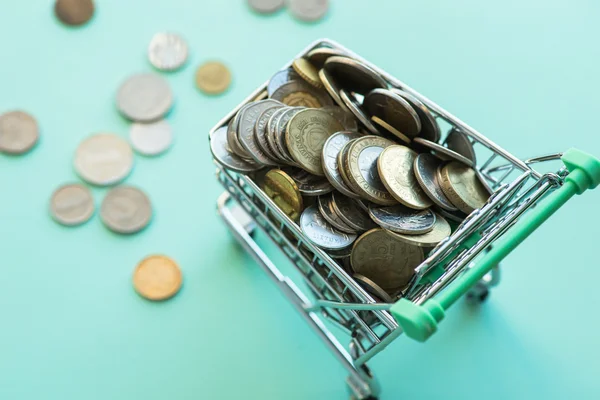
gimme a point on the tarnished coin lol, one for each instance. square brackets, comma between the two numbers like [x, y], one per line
[167, 51]
[218, 148]
[248, 119]
[144, 97]
[318, 56]
[151, 139]
[260, 131]
[72, 205]
[309, 10]
[459, 142]
[280, 78]
[126, 210]
[308, 184]
[394, 110]
[463, 187]
[395, 166]
[443, 152]
[266, 6]
[344, 117]
[325, 208]
[351, 213]
[74, 12]
[402, 219]
[456, 216]
[355, 108]
[362, 170]
[354, 76]
[284, 192]
[388, 262]
[321, 233]
[342, 254]
[157, 278]
[232, 135]
[430, 129]
[441, 230]
[332, 88]
[103, 159]
[331, 149]
[307, 71]
[213, 77]
[301, 94]
[390, 129]
[426, 166]
[19, 132]
[373, 289]
[305, 136]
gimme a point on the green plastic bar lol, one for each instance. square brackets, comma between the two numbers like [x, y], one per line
[420, 322]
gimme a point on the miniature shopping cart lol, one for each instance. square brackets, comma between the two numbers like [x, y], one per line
[466, 263]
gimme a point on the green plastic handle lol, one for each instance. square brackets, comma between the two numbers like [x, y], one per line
[420, 322]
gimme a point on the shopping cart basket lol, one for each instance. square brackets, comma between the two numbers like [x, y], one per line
[466, 263]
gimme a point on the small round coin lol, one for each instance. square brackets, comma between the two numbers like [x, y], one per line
[266, 6]
[309, 10]
[19, 132]
[321, 233]
[350, 212]
[402, 219]
[301, 94]
[305, 136]
[284, 192]
[151, 139]
[246, 129]
[74, 12]
[354, 76]
[430, 129]
[394, 110]
[388, 262]
[331, 149]
[463, 187]
[218, 148]
[157, 278]
[373, 289]
[280, 78]
[232, 134]
[307, 71]
[126, 210]
[325, 208]
[441, 230]
[72, 205]
[167, 51]
[213, 77]
[103, 159]
[426, 166]
[443, 152]
[396, 169]
[144, 97]
[459, 142]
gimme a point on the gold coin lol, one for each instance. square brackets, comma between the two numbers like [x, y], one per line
[391, 129]
[284, 192]
[441, 230]
[397, 172]
[360, 163]
[301, 99]
[385, 260]
[463, 187]
[307, 71]
[157, 278]
[213, 77]
[74, 12]
[305, 136]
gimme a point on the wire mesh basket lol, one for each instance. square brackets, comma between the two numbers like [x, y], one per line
[525, 194]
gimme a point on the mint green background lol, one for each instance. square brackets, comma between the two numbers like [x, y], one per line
[523, 72]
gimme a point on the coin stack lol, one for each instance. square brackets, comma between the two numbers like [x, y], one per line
[357, 163]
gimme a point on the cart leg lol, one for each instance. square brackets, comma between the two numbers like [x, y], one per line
[480, 292]
[358, 390]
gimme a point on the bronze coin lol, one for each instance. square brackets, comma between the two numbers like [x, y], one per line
[74, 12]
[157, 278]
[354, 76]
[394, 110]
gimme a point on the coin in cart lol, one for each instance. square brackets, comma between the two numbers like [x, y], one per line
[321, 233]
[463, 187]
[284, 192]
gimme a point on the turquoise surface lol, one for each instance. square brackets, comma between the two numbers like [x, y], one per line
[525, 73]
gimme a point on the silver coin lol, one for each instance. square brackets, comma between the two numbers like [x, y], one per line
[309, 10]
[266, 6]
[402, 219]
[324, 203]
[249, 117]
[441, 230]
[232, 135]
[430, 129]
[151, 139]
[308, 184]
[321, 233]
[260, 131]
[394, 110]
[318, 56]
[354, 76]
[426, 167]
[126, 209]
[103, 159]
[332, 88]
[373, 289]
[144, 98]
[351, 213]
[301, 94]
[443, 152]
[280, 78]
[456, 216]
[345, 118]
[18, 132]
[167, 51]
[72, 205]
[331, 149]
[281, 127]
[459, 142]
[356, 109]
[271, 133]
[218, 148]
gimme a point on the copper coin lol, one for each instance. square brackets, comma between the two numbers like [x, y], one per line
[157, 278]
[74, 12]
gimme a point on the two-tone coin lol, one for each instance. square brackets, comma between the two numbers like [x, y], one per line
[151, 139]
[284, 192]
[103, 159]
[463, 187]
[19, 132]
[324, 203]
[459, 142]
[300, 94]
[218, 148]
[354, 76]
[443, 152]
[355, 108]
[321, 233]
[167, 51]
[351, 213]
[441, 230]
[144, 97]
[126, 210]
[72, 205]
[402, 219]
[394, 110]
[426, 168]
[430, 129]
[308, 184]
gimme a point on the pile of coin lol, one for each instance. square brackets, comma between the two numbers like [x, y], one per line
[304, 10]
[357, 163]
